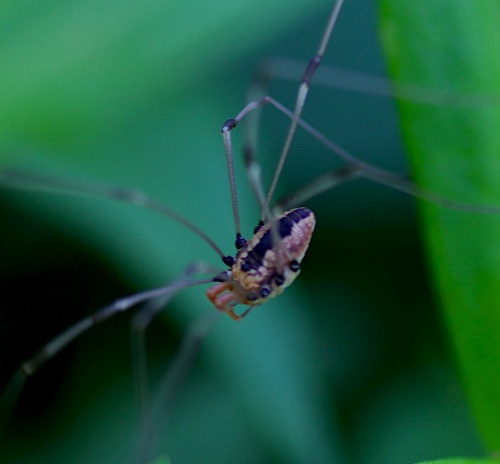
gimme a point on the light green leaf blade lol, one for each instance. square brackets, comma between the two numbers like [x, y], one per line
[462, 461]
[454, 147]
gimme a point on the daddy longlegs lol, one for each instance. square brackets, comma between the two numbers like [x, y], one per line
[353, 168]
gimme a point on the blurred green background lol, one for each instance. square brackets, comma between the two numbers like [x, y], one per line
[349, 365]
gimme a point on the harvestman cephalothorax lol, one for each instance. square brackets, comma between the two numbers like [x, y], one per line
[262, 266]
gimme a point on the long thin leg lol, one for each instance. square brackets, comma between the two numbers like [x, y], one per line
[159, 410]
[252, 165]
[23, 180]
[138, 328]
[226, 136]
[359, 82]
[360, 168]
[140, 323]
[302, 95]
[253, 169]
[29, 367]
[323, 183]
[356, 168]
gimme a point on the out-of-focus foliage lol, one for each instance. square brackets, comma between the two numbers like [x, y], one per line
[462, 461]
[349, 365]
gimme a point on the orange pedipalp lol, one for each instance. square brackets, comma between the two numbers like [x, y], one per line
[222, 295]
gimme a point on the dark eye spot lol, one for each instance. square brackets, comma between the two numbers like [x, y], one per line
[240, 242]
[251, 296]
[258, 227]
[265, 291]
[294, 265]
[279, 279]
[245, 266]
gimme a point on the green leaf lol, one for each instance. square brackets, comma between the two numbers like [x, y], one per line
[462, 461]
[162, 460]
[454, 147]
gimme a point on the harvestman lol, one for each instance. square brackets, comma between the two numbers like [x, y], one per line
[264, 265]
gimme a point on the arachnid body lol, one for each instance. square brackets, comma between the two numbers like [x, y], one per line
[265, 266]
[257, 392]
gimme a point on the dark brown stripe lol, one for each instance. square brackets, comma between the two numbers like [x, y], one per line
[257, 253]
